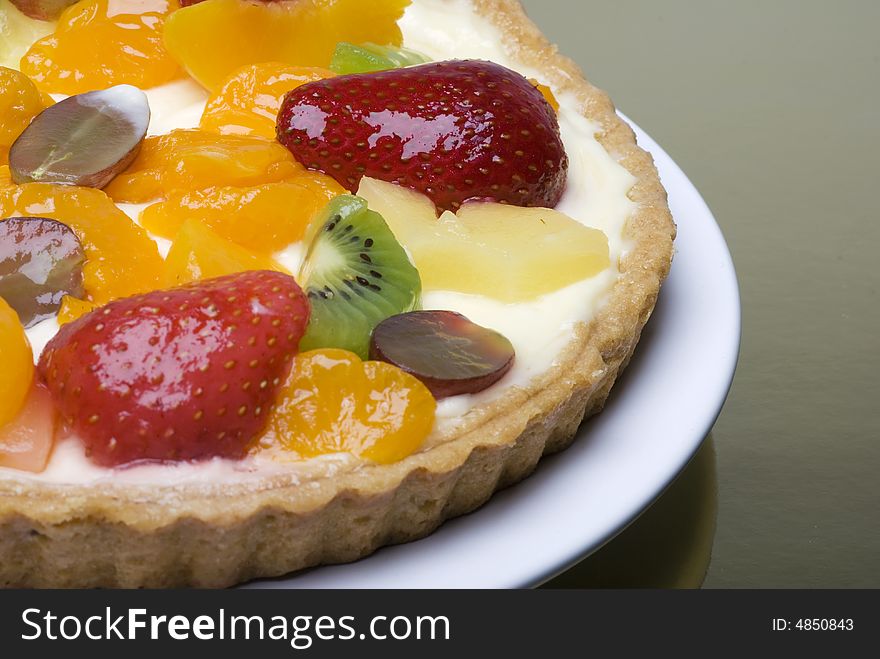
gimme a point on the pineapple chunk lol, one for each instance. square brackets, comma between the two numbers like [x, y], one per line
[504, 252]
[17, 33]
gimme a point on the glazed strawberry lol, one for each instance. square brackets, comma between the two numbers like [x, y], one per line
[454, 130]
[185, 374]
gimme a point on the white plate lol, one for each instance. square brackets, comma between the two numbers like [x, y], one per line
[657, 416]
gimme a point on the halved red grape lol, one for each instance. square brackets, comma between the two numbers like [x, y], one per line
[83, 140]
[443, 349]
[43, 10]
[41, 261]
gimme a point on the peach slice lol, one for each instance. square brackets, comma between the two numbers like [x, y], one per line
[26, 442]
[214, 38]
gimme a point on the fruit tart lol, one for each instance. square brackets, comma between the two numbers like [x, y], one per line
[278, 305]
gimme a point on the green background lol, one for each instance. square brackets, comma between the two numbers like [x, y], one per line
[771, 108]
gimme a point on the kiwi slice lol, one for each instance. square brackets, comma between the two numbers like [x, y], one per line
[356, 275]
[370, 57]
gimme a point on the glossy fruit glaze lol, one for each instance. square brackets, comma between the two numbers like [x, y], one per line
[335, 402]
[27, 440]
[198, 252]
[121, 259]
[100, 43]
[195, 160]
[183, 374]
[248, 101]
[20, 102]
[41, 261]
[302, 33]
[455, 131]
[264, 218]
[450, 354]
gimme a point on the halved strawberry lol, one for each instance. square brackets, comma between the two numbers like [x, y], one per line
[184, 374]
[453, 130]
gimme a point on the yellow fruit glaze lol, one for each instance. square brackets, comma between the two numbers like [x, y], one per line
[596, 196]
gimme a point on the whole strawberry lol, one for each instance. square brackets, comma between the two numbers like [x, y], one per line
[453, 130]
[185, 374]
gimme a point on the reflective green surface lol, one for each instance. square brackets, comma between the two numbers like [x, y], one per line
[669, 546]
[772, 111]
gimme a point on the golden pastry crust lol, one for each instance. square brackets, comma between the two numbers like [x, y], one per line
[213, 535]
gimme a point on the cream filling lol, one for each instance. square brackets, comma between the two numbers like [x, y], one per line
[596, 195]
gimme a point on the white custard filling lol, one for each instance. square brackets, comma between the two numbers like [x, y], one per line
[596, 195]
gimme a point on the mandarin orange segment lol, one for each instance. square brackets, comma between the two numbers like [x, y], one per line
[198, 253]
[263, 218]
[17, 359]
[20, 102]
[72, 308]
[101, 43]
[249, 100]
[27, 440]
[333, 402]
[547, 93]
[214, 38]
[121, 259]
[195, 159]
